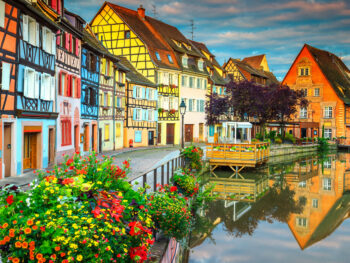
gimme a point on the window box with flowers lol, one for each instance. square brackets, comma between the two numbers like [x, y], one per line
[172, 111]
[161, 110]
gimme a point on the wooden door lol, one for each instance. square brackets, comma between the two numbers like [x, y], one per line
[159, 136]
[51, 146]
[33, 150]
[170, 131]
[7, 150]
[100, 140]
[76, 138]
[188, 132]
[151, 138]
[94, 132]
[26, 152]
[201, 132]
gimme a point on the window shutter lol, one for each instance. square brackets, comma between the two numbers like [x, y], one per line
[25, 27]
[211, 130]
[176, 103]
[60, 84]
[166, 103]
[45, 32]
[53, 89]
[70, 43]
[42, 89]
[53, 44]
[123, 102]
[54, 4]
[37, 34]
[6, 76]
[155, 95]
[37, 85]
[25, 83]
[117, 130]
[2, 13]
[147, 93]
[190, 105]
[134, 114]
[67, 41]
[143, 93]
[134, 92]
[59, 7]
[66, 85]
[78, 88]
[155, 115]
[77, 46]
[58, 38]
[198, 106]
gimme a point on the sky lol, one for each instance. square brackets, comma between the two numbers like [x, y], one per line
[241, 28]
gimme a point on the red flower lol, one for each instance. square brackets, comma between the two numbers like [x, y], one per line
[126, 164]
[135, 228]
[9, 199]
[69, 162]
[173, 189]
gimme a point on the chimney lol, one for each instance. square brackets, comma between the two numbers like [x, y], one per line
[141, 12]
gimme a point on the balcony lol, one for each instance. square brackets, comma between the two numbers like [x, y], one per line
[170, 90]
[168, 115]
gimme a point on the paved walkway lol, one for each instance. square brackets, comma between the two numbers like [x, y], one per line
[141, 160]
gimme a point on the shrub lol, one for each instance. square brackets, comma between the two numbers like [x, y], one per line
[259, 136]
[186, 182]
[290, 138]
[271, 135]
[278, 140]
[193, 157]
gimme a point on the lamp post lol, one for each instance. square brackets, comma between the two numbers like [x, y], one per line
[182, 111]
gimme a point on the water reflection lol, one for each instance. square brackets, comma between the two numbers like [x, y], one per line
[307, 200]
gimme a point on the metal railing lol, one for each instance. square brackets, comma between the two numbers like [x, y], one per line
[159, 175]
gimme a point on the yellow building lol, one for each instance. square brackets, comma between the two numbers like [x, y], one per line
[129, 33]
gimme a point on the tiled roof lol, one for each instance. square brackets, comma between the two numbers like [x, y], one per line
[254, 61]
[245, 66]
[271, 78]
[143, 29]
[133, 75]
[334, 70]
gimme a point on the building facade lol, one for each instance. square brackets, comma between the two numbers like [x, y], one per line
[141, 116]
[325, 81]
[36, 91]
[9, 17]
[131, 34]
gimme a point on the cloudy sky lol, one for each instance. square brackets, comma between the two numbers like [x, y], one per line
[241, 28]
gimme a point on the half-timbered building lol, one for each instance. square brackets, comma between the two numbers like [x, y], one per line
[217, 80]
[131, 34]
[36, 87]
[8, 75]
[141, 108]
[90, 79]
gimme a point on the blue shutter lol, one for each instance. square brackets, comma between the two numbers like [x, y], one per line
[144, 117]
[142, 93]
[155, 115]
[147, 94]
[214, 89]
[198, 105]
[156, 95]
[6, 76]
[211, 130]
[134, 115]
[134, 92]
[190, 105]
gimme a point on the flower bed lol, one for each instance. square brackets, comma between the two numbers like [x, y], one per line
[193, 157]
[86, 211]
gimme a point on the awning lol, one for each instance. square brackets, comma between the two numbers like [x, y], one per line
[240, 125]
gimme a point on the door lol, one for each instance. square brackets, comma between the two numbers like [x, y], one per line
[29, 151]
[7, 150]
[151, 138]
[76, 138]
[94, 132]
[188, 132]
[51, 146]
[170, 130]
[303, 132]
[201, 132]
[159, 137]
[100, 140]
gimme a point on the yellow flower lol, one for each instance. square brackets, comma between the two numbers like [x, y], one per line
[125, 250]
[79, 257]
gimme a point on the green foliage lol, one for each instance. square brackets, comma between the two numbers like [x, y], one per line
[259, 136]
[278, 140]
[323, 145]
[186, 182]
[193, 157]
[289, 138]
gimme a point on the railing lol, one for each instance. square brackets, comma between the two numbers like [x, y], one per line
[159, 175]
[343, 141]
[167, 115]
[245, 153]
[168, 90]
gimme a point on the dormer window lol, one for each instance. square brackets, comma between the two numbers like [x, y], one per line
[170, 59]
[185, 62]
[158, 56]
[127, 34]
[201, 65]
[304, 71]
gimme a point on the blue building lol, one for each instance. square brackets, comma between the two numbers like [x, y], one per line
[35, 90]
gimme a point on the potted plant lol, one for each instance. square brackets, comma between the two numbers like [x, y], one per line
[160, 110]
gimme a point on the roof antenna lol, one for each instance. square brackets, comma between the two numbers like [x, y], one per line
[154, 11]
[192, 28]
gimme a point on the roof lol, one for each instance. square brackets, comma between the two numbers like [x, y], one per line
[143, 29]
[271, 78]
[334, 69]
[254, 61]
[248, 68]
[133, 75]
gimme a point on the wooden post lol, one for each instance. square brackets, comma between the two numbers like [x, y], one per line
[154, 180]
[162, 169]
[172, 167]
[144, 179]
[167, 173]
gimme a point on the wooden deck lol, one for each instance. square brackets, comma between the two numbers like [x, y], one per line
[245, 190]
[237, 156]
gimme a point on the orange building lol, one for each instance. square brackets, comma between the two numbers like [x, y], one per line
[327, 200]
[325, 81]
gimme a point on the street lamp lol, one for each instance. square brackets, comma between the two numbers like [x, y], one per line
[182, 112]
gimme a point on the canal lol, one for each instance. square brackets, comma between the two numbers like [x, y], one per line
[289, 211]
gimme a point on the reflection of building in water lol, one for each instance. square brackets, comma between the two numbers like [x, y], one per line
[327, 204]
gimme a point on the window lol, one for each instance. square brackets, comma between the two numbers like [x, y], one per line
[166, 103]
[185, 62]
[327, 184]
[62, 84]
[151, 94]
[201, 65]
[127, 34]
[304, 71]
[304, 92]
[303, 113]
[170, 59]
[328, 112]
[2, 13]
[118, 130]
[328, 133]
[158, 56]
[137, 115]
[106, 132]
[5, 75]
[301, 221]
[205, 84]
[66, 132]
[317, 92]
[191, 82]
[91, 62]
[327, 164]
[202, 106]
[105, 102]
[32, 31]
[190, 105]
[31, 83]
[198, 83]
[150, 115]
[45, 92]
[49, 41]
[138, 136]
[137, 92]
[315, 203]
[302, 184]
[90, 97]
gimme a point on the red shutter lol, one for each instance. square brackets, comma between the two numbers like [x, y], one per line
[66, 86]
[69, 132]
[54, 4]
[70, 43]
[78, 85]
[67, 41]
[58, 38]
[59, 6]
[60, 84]
[77, 47]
